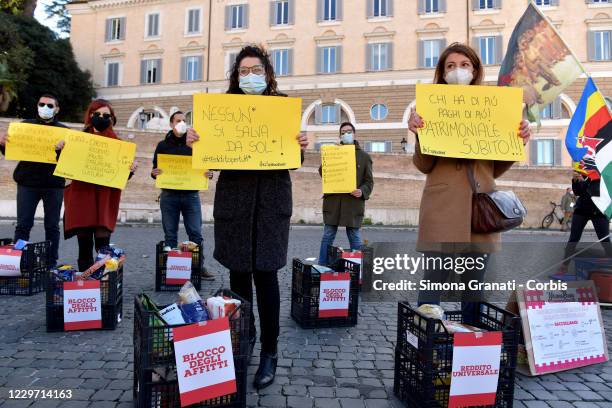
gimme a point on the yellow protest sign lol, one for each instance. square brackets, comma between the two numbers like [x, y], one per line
[338, 169]
[33, 143]
[177, 173]
[471, 122]
[246, 132]
[96, 159]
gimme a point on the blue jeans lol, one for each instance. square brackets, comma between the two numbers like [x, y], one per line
[329, 234]
[27, 200]
[173, 203]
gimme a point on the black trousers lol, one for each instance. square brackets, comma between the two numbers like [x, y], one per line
[602, 229]
[268, 303]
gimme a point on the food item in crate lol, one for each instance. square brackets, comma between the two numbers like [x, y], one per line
[431, 311]
[161, 344]
[111, 265]
[221, 306]
[189, 246]
[191, 304]
[20, 244]
[172, 315]
[456, 327]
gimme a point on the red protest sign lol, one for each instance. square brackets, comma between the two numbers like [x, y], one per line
[334, 294]
[82, 305]
[204, 361]
[178, 267]
[10, 261]
[476, 361]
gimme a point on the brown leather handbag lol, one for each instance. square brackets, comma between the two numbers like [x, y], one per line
[496, 211]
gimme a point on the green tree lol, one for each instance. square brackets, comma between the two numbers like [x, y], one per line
[57, 8]
[15, 62]
[25, 7]
[55, 71]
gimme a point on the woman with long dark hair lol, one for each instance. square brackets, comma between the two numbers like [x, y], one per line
[91, 210]
[252, 211]
[445, 215]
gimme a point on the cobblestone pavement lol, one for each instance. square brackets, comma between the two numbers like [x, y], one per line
[342, 368]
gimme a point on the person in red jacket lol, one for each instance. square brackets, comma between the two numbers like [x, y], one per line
[91, 210]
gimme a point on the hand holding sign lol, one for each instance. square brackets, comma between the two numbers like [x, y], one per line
[96, 159]
[339, 169]
[245, 132]
[34, 143]
[473, 122]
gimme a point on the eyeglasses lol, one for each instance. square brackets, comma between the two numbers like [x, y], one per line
[104, 115]
[256, 69]
[344, 132]
[48, 105]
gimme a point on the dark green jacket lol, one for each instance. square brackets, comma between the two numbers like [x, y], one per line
[344, 210]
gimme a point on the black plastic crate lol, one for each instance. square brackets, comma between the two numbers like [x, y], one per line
[423, 373]
[367, 263]
[34, 266]
[111, 296]
[154, 353]
[305, 289]
[112, 314]
[197, 264]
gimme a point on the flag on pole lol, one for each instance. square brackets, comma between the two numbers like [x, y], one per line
[583, 134]
[538, 60]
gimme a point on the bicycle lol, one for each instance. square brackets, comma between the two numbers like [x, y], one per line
[552, 216]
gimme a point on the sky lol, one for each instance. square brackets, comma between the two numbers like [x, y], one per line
[42, 18]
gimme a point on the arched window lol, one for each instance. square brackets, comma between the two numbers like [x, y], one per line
[379, 111]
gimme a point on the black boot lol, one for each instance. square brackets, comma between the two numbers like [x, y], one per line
[252, 341]
[266, 371]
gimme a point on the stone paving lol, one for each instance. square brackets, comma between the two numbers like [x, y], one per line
[337, 368]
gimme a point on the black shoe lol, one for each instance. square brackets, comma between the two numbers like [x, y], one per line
[266, 371]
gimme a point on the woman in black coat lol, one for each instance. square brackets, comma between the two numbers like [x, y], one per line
[252, 211]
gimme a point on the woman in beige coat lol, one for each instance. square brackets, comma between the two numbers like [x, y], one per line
[446, 205]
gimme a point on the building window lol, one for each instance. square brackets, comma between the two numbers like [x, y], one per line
[378, 147]
[547, 112]
[193, 21]
[150, 71]
[191, 68]
[487, 50]
[545, 152]
[379, 8]
[236, 17]
[329, 59]
[379, 111]
[329, 10]
[543, 2]
[281, 12]
[152, 29]
[230, 60]
[112, 74]
[432, 6]
[600, 45]
[282, 61]
[430, 52]
[486, 4]
[379, 57]
[189, 118]
[328, 115]
[115, 29]
[599, 1]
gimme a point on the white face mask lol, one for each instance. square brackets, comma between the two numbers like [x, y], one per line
[46, 113]
[459, 76]
[181, 127]
[347, 138]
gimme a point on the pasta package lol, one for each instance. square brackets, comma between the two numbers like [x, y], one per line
[221, 306]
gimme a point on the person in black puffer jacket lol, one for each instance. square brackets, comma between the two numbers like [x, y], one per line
[35, 182]
[585, 210]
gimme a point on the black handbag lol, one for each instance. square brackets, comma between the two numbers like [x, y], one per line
[495, 211]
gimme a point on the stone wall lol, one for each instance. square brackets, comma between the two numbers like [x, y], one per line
[396, 197]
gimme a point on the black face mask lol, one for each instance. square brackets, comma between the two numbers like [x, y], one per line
[100, 123]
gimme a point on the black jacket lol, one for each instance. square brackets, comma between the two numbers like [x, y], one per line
[584, 190]
[172, 145]
[31, 174]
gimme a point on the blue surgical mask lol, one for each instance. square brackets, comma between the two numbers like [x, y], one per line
[46, 113]
[253, 84]
[347, 138]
